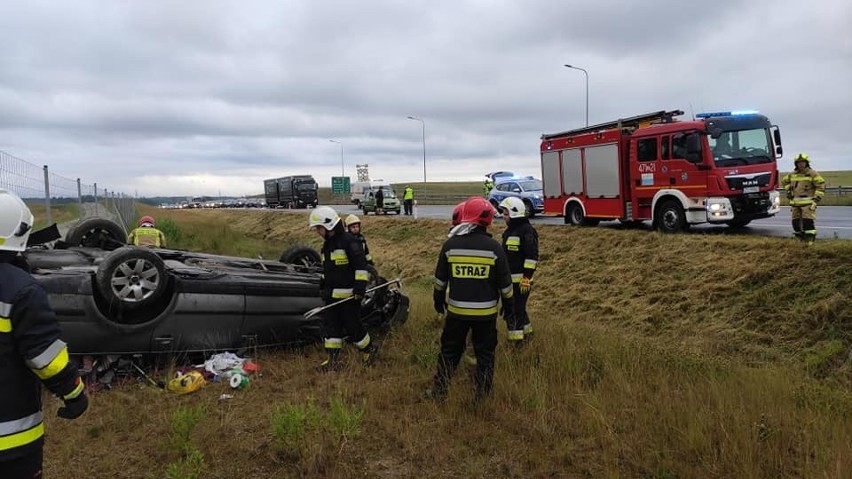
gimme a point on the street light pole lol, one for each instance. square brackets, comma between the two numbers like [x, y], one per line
[587, 89]
[423, 124]
[342, 172]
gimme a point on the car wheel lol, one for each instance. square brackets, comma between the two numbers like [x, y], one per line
[301, 256]
[671, 217]
[97, 233]
[530, 209]
[132, 278]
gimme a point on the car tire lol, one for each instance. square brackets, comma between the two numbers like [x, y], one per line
[736, 224]
[97, 233]
[530, 209]
[301, 256]
[132, 278]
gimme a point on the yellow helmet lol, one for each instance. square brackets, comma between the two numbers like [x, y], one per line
[803, 157]
[352, 220]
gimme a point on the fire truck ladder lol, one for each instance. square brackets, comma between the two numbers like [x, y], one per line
[634, 122]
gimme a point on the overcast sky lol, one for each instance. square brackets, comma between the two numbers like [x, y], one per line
[209, 97]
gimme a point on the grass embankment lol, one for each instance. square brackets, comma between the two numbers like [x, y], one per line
[58, 213]
[654, 356]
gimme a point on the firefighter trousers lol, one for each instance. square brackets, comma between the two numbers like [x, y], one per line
[804, 222]
[27, 466]
[345, 320]
[520, 319]
[484, 338]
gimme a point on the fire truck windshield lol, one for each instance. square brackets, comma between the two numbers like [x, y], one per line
[742, 147]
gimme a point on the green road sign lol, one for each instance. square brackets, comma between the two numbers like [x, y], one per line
[340, 185]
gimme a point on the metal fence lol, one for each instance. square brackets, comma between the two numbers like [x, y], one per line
[38, 185]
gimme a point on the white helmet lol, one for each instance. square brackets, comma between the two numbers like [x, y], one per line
[324, 216]
[16, 222]
[516, 207]
[352, 220]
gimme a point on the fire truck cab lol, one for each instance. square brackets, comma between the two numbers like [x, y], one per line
[717, 168]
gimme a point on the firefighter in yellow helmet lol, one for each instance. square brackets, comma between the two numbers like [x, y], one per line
[31, 352]
[805, 189]
[353, 225]
[147, 234]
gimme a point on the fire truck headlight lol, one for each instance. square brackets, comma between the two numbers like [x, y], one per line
[715, 207]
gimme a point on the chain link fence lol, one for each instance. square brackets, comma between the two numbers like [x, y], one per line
[68, 199]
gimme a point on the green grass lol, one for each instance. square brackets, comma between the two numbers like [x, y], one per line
[62, 213]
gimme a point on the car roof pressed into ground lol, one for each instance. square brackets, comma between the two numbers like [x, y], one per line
[111, 298]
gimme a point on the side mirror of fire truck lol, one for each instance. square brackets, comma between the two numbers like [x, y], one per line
[776, 135]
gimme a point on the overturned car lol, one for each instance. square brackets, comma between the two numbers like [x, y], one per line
[111, 298]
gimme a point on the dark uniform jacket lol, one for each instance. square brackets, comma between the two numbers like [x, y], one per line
[364, 247]
[475, 269]
[520, 240]
[344, 267]
[31, 354]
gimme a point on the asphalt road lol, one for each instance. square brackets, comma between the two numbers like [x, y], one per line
[832, 221]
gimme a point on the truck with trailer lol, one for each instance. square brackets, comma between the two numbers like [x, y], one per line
[298, 191]
[718, 168]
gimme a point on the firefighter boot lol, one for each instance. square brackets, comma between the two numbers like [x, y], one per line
[368, 355]
[528, 331]
[332, 363]
[797, 229]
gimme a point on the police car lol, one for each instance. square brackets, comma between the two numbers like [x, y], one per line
[526, 188]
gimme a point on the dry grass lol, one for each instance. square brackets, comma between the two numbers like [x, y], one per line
[654, 356]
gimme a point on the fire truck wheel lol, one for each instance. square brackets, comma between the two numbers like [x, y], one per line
[671, 217]
[575, 215]
[734, 224]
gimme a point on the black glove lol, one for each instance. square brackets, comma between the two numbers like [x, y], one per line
[440, 301]
[74, 408]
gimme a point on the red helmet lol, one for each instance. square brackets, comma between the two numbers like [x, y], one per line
[478, 211]
[146, 221]
[457, 213]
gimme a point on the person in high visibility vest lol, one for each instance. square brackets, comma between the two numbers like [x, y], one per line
[31, 352]
[408, 200]
[487, 187]
[805, 189]
[147, 234]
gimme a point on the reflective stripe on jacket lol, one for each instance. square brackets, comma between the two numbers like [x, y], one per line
[520, 241]
[344, 266]
[31, 353]
[804, 187]
[146, 236]
[475, 270]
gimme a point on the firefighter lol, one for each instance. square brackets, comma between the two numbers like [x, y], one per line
[408, 200]
[471, 275]
[520, 241]
[805, 189]
[353, 225]
[31, 352]
[344, 276]
[147, 234]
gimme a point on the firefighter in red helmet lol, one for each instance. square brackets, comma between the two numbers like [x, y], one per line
[147, 234]
[471, 276]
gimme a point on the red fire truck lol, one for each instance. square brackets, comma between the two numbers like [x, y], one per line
[718, 168]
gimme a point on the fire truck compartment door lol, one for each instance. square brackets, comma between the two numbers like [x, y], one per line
[572, 172]
[550, 174]
[602, 171]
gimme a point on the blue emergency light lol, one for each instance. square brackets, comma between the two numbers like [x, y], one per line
[726, 113]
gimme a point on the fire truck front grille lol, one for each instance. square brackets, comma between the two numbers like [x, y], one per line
[744, 181]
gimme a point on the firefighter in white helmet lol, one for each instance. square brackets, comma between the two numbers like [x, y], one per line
[353, 225]
[520, 241]
[31, 352]
[344, 275]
